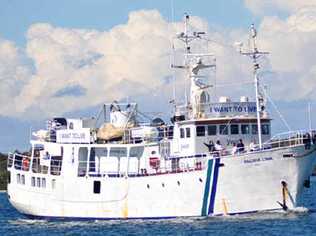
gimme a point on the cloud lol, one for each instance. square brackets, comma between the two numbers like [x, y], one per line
[291, 43]
[263, 7]
[63, 69]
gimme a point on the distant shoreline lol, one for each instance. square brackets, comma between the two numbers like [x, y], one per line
[3, 191]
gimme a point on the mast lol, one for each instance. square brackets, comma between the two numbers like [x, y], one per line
[255, 55]
[193, 63]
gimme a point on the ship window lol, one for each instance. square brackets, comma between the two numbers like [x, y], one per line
[265, 129]
[18, 162]
[254, 129]
[96, 153]
[136, 151]
[55, 165]
[53, 183]
[188, 132]
[211, 130]
[82, 161]
[96, 186]
[10, 160]
[223, 129]
[118, 152]
[33, 181]
[43, 182]
[181, 133]
[23, 179]
[170, 132]
[200, 131]
[245, 129]
[18, 178]
[234, 129]
[38, 182]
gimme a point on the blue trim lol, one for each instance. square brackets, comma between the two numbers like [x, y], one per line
[207, 187]
[214, 186]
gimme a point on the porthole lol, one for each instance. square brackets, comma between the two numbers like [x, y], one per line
[178, 183]
[200, 180]
[148, 186]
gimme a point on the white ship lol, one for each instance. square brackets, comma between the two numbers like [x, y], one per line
[122, 168]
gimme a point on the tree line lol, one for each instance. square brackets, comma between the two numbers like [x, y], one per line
[3, 171]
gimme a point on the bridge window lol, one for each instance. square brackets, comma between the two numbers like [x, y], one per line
[181, 133]
[211, 130]
[245, 129]
[136, 151]
[234, 129]
[265, 129]
[200, 131]
[188, 132]
[223, 129]
[254, 129]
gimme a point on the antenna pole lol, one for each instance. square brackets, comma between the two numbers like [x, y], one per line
[255, 55]
[309, 116]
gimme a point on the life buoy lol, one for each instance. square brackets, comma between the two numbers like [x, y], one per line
[25, 163]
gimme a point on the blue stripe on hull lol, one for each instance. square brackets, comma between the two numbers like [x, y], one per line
[207, 187]
[214, 186]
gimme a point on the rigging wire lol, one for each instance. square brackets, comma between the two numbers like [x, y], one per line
[276, 109]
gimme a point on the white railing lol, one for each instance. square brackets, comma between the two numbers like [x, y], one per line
[23, 162]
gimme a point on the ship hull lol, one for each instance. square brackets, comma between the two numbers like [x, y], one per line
[239, 184]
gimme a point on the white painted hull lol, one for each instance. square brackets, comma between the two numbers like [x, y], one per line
[240, 184]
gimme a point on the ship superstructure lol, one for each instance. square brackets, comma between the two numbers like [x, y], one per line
[214, 158]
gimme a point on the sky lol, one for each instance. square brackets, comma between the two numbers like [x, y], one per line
[62, 58]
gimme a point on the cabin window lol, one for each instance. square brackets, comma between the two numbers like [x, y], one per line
[56, 163]
[234, 129]
[82, 161]
[97, 187]
[33, 181]
[245, 129]
[36, 167]
[223, 129]
[10, 160]
[18, 162]
[38, 182]
[43, 182]
[96, 153]
[136, 151]
[53, 183]
[188, 132]
[170, 132]
[200, 131]
[120, 154]
[254, 129]
[18, 178]
[211, 130]
[181, 133]
[265, 129]
[23, 179]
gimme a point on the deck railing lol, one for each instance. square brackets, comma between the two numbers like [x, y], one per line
[23, 162]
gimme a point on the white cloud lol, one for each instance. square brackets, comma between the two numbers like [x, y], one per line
[263, 7]
[132, 60]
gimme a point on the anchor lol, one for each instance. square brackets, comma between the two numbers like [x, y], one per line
[284, 192]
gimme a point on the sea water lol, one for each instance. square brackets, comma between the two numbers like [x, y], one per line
[301, 221]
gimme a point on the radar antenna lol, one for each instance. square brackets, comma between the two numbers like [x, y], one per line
[193, 63]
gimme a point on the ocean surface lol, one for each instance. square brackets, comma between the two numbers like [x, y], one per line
[301, 221]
